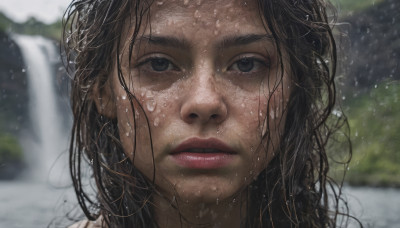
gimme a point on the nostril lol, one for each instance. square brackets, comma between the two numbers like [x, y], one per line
[214, 116]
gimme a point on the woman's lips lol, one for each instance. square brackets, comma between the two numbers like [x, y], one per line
[196, 153]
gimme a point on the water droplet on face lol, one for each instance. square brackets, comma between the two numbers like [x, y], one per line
[344, 98]
[217, 201]
[123, 97]
[216, 32]
[242, 105]
[217, 24]
[160, 3]
[149, 94]
[214, 188]
[23, 70]
[272, 114]
[156, 122]
[127, 134]
[151, 105]
[126, 110]
[185, 2]
[197, 14]
[376, 86]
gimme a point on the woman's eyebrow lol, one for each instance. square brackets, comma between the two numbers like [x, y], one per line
[240, 40]
[168, 41]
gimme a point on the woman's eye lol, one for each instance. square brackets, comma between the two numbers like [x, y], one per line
[157, 64]
[246, 65]
[160, 64]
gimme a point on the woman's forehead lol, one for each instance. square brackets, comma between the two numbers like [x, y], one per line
[203, 21]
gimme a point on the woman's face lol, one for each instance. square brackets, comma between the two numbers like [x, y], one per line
[207, 77]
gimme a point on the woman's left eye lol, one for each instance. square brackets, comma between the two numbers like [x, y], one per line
[247, 64]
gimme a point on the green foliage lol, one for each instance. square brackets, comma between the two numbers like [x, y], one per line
[374, 119]
[32, 27]
[354, 5]
[10, 150]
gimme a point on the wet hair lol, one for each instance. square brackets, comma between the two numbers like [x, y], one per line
[293, 191]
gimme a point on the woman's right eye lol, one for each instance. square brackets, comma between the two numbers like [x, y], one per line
[158, 64]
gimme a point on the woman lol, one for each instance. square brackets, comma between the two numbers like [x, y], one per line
[202, 113]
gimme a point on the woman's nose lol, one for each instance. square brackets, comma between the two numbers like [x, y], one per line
[204, 102]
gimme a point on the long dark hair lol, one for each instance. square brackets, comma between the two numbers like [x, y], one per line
[294, 191]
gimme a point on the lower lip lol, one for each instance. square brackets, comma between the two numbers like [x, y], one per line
[202, 160]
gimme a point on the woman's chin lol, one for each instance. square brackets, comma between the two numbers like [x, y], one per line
[204, 193]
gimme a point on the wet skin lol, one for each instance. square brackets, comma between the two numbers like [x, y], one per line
[208, 80]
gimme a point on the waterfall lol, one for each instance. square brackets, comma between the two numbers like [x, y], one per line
[46, 144]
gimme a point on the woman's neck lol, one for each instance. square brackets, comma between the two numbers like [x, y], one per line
[174, 213]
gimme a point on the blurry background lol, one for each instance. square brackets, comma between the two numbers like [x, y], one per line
[35, 120]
